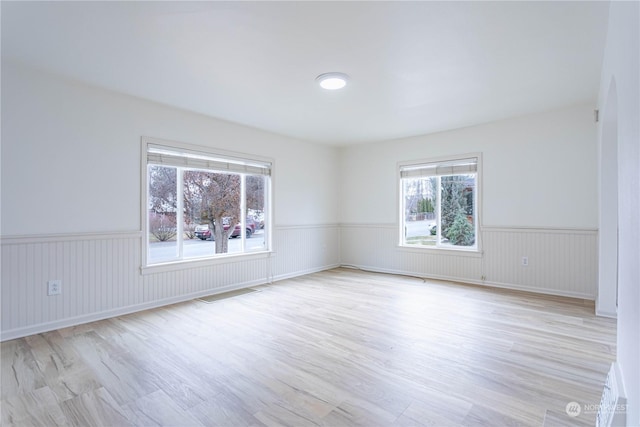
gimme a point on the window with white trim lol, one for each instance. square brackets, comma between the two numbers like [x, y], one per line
[201, 204]
[439, 203]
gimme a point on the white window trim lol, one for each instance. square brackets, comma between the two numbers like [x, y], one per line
[209, 261]
[477, 249]
[247, 161]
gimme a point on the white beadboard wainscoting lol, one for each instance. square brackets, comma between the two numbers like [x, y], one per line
[305, 249]
[560, 261]
[101, 275]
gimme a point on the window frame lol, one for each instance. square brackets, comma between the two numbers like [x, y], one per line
[400, 223]
[243, 160]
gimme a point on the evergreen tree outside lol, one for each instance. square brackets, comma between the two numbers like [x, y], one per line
[456, 205]
[425, 206]
[439, 202]
[461, 232]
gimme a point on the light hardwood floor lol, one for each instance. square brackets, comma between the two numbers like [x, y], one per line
[336, 348]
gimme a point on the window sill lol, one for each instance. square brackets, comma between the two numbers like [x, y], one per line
[467, 252]
[203, 262]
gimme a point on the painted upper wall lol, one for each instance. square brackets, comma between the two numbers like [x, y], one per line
[538, 170]
[620, 97]
[71, 157]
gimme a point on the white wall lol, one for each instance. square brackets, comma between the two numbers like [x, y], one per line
[71, 157]
[539, 199]
[538, 170]
[71, 203]
[621, 68]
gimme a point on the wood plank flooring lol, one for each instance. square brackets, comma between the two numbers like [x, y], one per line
[336, 348]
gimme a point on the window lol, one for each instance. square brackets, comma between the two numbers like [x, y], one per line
[202, 204]
[439, 204]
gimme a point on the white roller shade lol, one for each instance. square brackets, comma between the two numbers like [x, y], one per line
[451, 167]
[159, 155]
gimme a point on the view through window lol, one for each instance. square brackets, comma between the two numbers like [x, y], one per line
[439, 204]
[202, 205]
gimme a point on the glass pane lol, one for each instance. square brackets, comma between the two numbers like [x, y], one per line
[162, 214]
[457, 210]
[212, 205]
[198, 239]
[420, 211]
[255, 192]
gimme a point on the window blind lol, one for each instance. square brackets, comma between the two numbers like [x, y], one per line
[450, 167]
[159, 155]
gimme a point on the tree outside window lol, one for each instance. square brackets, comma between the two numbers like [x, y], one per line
[439, 205]
[225, 208]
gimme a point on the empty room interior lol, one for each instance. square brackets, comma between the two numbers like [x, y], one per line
[320, 213]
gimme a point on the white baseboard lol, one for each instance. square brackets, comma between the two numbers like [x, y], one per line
[279, 277]
[78, 320]
[543, 291]
[603, 313]
[536, 290]
[93, 317]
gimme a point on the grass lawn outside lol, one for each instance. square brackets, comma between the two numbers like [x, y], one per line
[428, 240]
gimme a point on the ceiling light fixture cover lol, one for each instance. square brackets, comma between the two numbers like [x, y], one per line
[332, 81]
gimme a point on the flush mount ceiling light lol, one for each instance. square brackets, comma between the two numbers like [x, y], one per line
[332, 81]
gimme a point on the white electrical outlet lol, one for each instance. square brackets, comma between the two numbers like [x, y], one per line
[54, 287]
[525, 261]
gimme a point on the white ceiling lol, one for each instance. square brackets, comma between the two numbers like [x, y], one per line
[415, 67]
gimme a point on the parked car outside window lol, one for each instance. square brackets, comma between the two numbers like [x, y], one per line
[204, 233]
